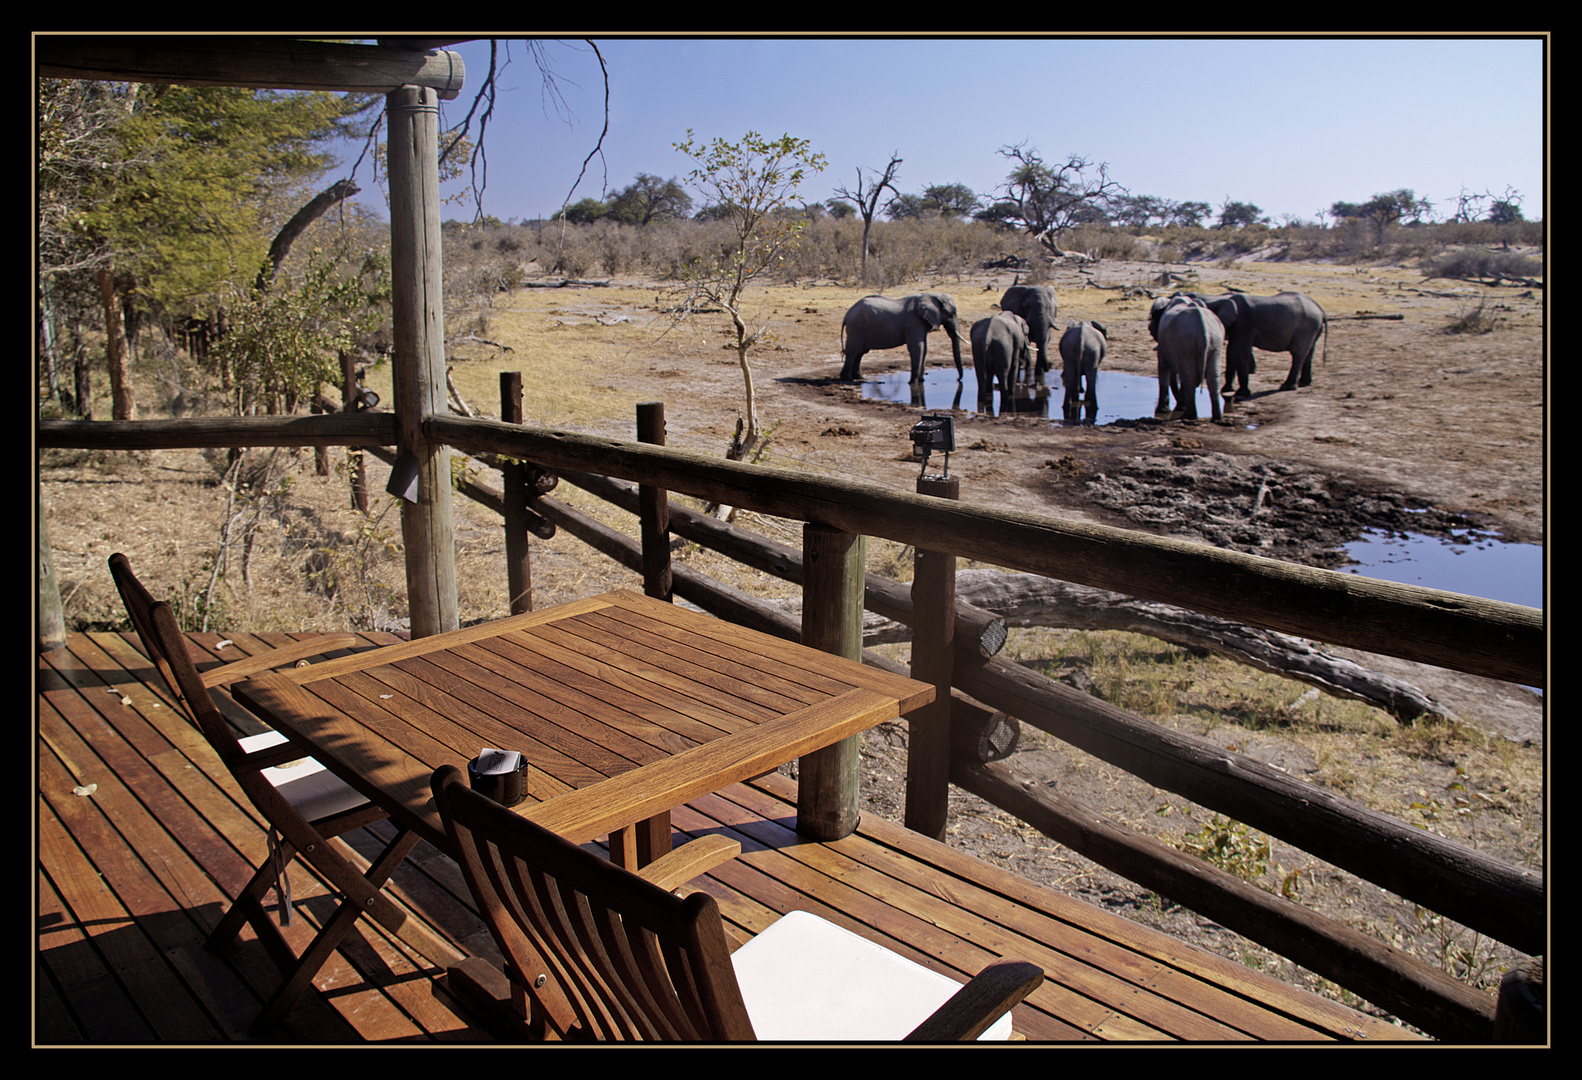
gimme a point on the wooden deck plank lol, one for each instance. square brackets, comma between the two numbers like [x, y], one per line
[131, 879]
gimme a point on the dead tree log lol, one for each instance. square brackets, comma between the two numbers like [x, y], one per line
[1032, 600]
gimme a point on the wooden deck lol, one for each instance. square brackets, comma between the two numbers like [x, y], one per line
[142, 839]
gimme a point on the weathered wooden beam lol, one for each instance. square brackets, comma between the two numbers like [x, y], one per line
[933, 646]
[333, 429]
[829, 780]
[977, 630]
[259, 61]
[1483, 637]
[418, 373]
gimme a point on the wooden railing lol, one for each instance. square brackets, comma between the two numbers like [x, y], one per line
[1485, 637]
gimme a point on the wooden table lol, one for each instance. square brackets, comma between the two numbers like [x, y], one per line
[624, 707]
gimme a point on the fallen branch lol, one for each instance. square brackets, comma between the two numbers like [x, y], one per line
[1031, 600]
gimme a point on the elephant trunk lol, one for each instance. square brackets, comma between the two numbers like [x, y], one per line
[953, 331]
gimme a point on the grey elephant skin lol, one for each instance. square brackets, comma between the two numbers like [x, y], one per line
[1000, 353]
[1288, 322]
[1036, 304]
[1191, 345]
[1082, 349]
[883, 322]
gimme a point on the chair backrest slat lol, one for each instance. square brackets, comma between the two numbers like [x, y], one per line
[166, 648]
[624, 959]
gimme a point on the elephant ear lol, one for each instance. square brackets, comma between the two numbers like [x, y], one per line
[1227, 310]
[927, 309]
[1153, 315]
[1100, 328]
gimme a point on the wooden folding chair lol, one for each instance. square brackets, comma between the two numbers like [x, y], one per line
[304, 804]
[597, 952]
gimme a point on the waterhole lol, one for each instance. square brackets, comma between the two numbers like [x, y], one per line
[1121, 396]
[1469, 562]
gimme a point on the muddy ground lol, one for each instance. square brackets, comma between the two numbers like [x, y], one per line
[1406, 426]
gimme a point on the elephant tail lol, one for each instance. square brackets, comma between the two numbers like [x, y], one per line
[1325, 359]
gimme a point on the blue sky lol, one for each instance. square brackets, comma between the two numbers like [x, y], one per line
[1291, 124]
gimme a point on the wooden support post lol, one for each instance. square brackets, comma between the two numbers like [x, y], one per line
[834, 564]
[418, 334]
[354, 454]
[518, 567]
[933, 652]
[653, 509]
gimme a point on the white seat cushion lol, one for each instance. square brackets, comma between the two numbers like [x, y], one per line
[804, 979]
[312, 789]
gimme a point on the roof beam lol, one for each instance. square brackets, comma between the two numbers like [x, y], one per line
[260, 62]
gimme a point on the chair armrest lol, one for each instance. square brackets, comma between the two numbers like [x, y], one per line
[973, 1008]
[265, 661]
[689, 860]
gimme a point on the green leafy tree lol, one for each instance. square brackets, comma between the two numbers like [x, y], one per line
[1238, 215]
[749, 181]
[198, 173]
[1189, 214]
[937, 200]
[1384, 210]
[585, 211]
[648, 199]
[282, 341]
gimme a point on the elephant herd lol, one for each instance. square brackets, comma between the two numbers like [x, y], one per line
[1195, 337]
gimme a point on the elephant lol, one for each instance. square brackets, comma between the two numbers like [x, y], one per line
[1036, 304]
[1286, 322]
[999, 352]
[1082, 349]
[882, 322]
[1191, 343]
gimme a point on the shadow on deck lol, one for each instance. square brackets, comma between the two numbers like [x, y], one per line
[143, 839]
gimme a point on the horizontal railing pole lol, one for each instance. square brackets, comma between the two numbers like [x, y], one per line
[1483, 637]
[329, 429]
[1481, 892]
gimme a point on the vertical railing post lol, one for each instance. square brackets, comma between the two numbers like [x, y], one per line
[834, 567]
[518, 553]
[418, 336]
[354, 454]
[653, 509]
[933, 649]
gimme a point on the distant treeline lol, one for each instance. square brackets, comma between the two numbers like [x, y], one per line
[500, 255]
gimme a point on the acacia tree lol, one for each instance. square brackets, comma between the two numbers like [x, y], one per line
[1050, 199]
[648, 199]
[748, 182]
[867, 200]
[1384, 210]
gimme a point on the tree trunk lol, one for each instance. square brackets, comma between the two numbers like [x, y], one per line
[1033, 600]
[122, 405]
[316, 208]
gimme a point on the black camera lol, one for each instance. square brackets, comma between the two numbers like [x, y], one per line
[934, 432]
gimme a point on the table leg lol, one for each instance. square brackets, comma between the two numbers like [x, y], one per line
[640, 844]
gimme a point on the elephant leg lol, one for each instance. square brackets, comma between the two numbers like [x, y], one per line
[851, 370]
[1166, 385]
[919, 351]
[1237, 367]
[1301, 373]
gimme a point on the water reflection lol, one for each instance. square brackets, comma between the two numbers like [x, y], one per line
[1121, 396]
[1474, 564]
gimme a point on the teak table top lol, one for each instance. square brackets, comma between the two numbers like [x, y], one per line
[624, 707]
